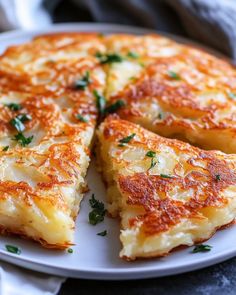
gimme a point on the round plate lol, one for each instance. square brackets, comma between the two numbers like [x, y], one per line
[96, 257]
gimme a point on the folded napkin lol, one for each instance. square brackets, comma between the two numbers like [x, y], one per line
[16, 281]
[212, 22]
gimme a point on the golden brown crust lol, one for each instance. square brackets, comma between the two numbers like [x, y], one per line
[48, 174]
[183, 195]
[183, 92]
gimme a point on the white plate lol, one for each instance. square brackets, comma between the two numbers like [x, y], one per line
[96, 257]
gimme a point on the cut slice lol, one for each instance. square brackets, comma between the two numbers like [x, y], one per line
[47, 119]
[174, 90]
[167, 192]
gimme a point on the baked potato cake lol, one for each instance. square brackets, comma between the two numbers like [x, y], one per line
[174, 90]
[166, 192]
[47, 119]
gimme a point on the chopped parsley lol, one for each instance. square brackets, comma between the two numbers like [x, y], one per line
[165, 176]
[132, 54]
[153, 164]
[102, 233]
[22, 140]
[151, 154]
[14, 106]
[70, 250]
[115, 106]
[202, 248]
[108, 58]
[101, 101]
[81, 118]
[18, 121]
[127, 139]
[13, 249]
[232, 95]
[173, 75]
[217, 177]
[6, 148]
[98, 213]
[83, 82]
[159, 116]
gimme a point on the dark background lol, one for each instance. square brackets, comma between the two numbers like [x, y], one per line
[216, 280]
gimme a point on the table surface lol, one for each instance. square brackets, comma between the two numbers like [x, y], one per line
[216, 280]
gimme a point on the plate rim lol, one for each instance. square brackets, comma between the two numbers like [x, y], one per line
[110, 273]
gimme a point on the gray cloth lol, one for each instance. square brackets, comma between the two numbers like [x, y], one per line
[212, 22]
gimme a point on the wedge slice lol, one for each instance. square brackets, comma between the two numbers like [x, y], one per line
[47, 119]
[174, 90]
[166, 192]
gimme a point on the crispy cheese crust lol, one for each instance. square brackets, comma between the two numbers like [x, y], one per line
[175, 90]
[181, 199]
[42, 183]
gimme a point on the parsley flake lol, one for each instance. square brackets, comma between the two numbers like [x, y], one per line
[108, 58]
[98, 213]
[70, 250]
[14, 106]
[83, 82]
[173, 75]
[13, 249]
[153, 164]
[132, 54]
[165, 176]
[81, 118]
[18, 121]
[127, 139]
[151, 154]
[101, 101]
[115, 106]
[6, 148]
[23, 141]
[217, 177]
[202, 248]
[159, 116]
[102, 233]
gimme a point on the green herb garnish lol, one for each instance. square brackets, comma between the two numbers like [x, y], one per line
[232, 95]
[127, 139]
[201, 248]
[108, 58]
[101, 101]
[70, 250]
[102, 233]
[132, 54]
[159, 116]
[13, 249]
[23, 141]
[18, 121]
[173, 75]
[81, 118]
[115, 106]
[98, 212]
[165, 176]
[14, 106]
[217, 177]
[153, 164]
[6, 148]
[151, 154]
[83, 82]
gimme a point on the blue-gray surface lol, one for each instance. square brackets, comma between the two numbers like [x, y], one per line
[215, 280]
